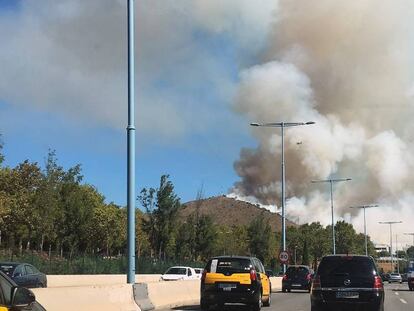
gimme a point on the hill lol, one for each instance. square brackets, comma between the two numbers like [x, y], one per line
[229, 212]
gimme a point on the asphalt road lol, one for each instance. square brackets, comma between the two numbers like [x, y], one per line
[397, 298]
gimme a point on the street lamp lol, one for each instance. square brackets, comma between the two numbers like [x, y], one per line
[364, 207]
[282, 125]
[412, 234]
[390, 223]
[331, 181]
[131, 148]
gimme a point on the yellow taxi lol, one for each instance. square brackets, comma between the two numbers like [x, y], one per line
[13, 297]
[235, 279]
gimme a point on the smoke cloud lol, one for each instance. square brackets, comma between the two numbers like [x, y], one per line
[346, 66]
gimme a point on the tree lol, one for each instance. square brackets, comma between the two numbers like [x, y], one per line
[346, 239]
[1, 151]
[107, 229]
[410, 252]
[20, 186]
[259, 232]
[161, 206]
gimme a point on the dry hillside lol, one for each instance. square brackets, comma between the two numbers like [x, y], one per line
[229, 211]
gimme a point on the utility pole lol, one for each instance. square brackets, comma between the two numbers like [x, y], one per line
[364, 207]
[131, 148]
[282, 126]
[331, 181]
[390, 223]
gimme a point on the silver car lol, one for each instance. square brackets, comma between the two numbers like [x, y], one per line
[395, 278]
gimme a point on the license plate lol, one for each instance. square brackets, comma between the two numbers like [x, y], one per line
[296, 285]
[227, 287]
[348, 295]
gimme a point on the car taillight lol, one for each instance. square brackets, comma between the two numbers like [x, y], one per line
[253, 275]
[285, 277]
[316, 284]
[378, 283]
[309, 277]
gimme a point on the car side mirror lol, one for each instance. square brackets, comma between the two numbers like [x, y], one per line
[22, 298]
[16, 275]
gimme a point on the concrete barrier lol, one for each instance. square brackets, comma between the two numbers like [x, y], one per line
[276, 284]
[87, 298]
[171, 294]
[97, 279]
[111, 293]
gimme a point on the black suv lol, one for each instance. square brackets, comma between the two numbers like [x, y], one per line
[343, 281]
[297, 277]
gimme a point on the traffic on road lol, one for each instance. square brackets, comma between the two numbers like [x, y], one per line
[397, 298]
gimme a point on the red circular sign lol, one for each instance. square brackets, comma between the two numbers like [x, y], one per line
[284, 257]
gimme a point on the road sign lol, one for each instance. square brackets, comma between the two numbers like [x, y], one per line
[284, 257]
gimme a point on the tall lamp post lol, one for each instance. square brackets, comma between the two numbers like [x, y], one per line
[131, 148]
[390, 223]
[364, 207]
[282, 126]
[331, 182]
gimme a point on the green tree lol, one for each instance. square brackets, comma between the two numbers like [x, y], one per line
[259, 232]
[346, 239]
[410, 252]
[107, 229]
[1, 151]
[161, 206]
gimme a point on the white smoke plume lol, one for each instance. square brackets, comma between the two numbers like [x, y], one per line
[347, 66]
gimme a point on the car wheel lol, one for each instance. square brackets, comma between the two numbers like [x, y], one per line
[289, 290]
[284, 290]
[268, 301]
[313, 308]
[258, 304]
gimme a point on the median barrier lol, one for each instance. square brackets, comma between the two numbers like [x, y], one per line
[117, 297]
[276, 284]
[167, 294]
[160, 295]
[97, 279]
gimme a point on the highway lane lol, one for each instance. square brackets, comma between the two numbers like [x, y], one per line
[397, 298]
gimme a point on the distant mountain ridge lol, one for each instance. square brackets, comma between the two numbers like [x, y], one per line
[229, 211]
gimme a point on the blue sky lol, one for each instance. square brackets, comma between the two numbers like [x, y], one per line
[193, 134]
[205, 69]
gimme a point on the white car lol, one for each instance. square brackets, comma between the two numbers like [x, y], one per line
[199, 272]
[394, 278]
[179, 273]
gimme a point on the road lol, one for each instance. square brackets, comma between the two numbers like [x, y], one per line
[397, 298]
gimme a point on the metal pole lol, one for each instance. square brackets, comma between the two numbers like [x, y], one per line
[333, 223]
[392, 257]
[283, 194]
[396, 253]
[365, 232]
[131, 148]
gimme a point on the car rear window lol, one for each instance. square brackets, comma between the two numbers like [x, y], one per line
[346, 265]
[229, 265]
[176, 271]
[7, 269]
[299, 271]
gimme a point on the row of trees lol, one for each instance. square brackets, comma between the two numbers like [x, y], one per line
[308, 243]
[50, 209]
